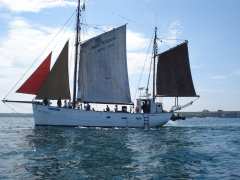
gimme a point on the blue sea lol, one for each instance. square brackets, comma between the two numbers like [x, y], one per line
[196, 148]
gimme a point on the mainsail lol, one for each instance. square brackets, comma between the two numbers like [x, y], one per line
[33, 84]
[57, 83]
[174, 77]
[103, 75]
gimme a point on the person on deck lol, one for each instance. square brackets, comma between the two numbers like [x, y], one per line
[116, 108]
[107, 108]
[45, 102]
[88, 107]
[59, 102]
[144, 107]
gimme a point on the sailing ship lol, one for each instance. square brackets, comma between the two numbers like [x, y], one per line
[101, 77]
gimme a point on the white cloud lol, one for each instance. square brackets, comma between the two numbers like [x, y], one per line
[171, 37]
[136, 61]
[136, 41]
[23, 43]
[34, 5]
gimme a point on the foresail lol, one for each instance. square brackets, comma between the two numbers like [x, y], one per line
[57, 83]
[103, 75]
[174, 77]
[33, 84]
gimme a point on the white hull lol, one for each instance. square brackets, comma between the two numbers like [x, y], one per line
[53, 116]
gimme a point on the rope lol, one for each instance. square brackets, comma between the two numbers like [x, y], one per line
[36, 59]
[149, 75]
[11, 108]
[143, 68]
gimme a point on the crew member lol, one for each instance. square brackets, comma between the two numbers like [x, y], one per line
[107, 108]
[116, 108]
[88, 107]
[59, 102]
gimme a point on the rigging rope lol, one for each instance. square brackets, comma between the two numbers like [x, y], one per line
[143, 68]
[149, 75]
[36, 59]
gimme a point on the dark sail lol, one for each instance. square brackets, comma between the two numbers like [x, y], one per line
[174, 77]
[57, 83]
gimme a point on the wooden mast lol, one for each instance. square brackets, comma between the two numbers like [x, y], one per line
[77, 43]
[155, 51]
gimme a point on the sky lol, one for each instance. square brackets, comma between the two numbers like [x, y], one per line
[30, 29]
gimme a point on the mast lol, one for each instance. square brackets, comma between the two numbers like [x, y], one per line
[77, 43]
[155, 51]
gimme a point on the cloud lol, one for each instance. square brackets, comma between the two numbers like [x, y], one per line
[136, 41]
[23, 43]
[136, 61]
[34, 5]
[171, 37]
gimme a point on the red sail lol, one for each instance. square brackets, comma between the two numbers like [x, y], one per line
[33, 84]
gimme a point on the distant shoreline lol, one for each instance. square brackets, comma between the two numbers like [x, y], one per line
[206, 113]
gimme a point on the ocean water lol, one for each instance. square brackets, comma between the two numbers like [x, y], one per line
[191, 149]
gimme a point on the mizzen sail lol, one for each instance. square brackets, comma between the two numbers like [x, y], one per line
[57, 83]
[33, 84]
[174, 77]
[103, 75]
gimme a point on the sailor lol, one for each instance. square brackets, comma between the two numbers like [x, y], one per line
[59, 102]
[144, 107]
[88, 107]
[45, 102]
[116, 108]
[107, 108]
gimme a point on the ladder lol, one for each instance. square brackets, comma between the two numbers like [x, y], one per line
[146, 122]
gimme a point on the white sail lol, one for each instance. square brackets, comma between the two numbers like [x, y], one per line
[103, 75]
